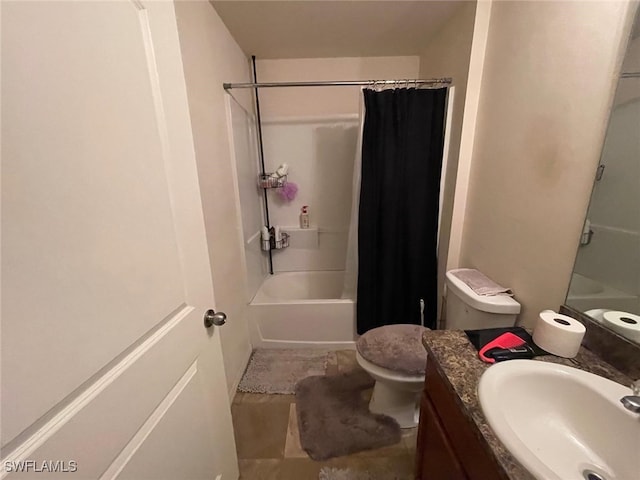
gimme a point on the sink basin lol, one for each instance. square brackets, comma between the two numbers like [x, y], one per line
[562, 423]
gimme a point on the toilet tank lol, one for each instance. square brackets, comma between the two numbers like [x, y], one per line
[466, 310]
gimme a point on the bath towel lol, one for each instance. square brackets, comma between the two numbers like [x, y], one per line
[480, 283]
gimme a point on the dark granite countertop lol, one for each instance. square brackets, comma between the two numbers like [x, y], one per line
[458, 361]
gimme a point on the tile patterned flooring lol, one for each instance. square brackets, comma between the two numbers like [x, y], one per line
[268, 444]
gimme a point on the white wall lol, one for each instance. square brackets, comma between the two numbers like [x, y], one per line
[211, 57]
[322, 101]
[546, 91]
[447, 55]
[315, 131]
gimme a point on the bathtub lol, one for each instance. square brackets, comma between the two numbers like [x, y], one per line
[588, 294]
[302, 309]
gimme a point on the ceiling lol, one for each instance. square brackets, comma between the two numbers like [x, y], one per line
[312, 29]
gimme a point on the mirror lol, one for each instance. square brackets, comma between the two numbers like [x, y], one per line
[606, 278]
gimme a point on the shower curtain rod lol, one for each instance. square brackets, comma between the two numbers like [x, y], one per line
[630, 75]
[340, 83]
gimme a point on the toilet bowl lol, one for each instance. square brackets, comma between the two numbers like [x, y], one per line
[394, 356]
[394, 394]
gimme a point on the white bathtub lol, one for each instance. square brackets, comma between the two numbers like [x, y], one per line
[302, 309]
[588, 294]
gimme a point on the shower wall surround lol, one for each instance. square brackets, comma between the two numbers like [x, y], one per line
[320, 153]
[251, 201]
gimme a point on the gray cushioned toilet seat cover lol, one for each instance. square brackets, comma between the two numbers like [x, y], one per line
[396, 347]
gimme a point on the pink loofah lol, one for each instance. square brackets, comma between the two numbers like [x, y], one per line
[288, 191]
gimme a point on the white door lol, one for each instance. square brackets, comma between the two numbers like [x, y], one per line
[107, 369]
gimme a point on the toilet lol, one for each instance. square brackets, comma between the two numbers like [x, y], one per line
[395, 357]
[466, 310]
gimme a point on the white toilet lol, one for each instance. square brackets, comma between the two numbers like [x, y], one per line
[466, 310]
[395, 357]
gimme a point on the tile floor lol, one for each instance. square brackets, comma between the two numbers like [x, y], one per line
[269, 447]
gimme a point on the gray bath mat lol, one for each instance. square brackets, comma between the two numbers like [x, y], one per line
[329, 473]
[273, 370]
[334, 418]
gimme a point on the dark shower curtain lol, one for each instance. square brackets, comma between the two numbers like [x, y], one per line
[402, 148]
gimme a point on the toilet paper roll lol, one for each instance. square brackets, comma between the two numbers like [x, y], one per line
[597, 314]
[558, 334]
[626, 324]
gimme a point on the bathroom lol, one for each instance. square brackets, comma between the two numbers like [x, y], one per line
[533, 84]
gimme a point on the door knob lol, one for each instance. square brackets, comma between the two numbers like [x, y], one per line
[212, 318]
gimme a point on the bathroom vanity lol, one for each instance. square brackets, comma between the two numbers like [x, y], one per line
[454, 438]
[448, 446]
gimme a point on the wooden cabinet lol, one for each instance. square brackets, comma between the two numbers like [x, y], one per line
[439, 460]
[449, 446]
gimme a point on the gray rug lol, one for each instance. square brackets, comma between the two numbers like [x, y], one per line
[329, 473]
[273, 370]
[334, 418]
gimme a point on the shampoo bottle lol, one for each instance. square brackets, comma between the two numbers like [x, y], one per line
[304, 217]
[265, 233]
[266, 238]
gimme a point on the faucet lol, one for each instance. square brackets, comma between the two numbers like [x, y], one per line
[632, 402]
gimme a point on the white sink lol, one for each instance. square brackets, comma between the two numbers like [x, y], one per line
[562, 423]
